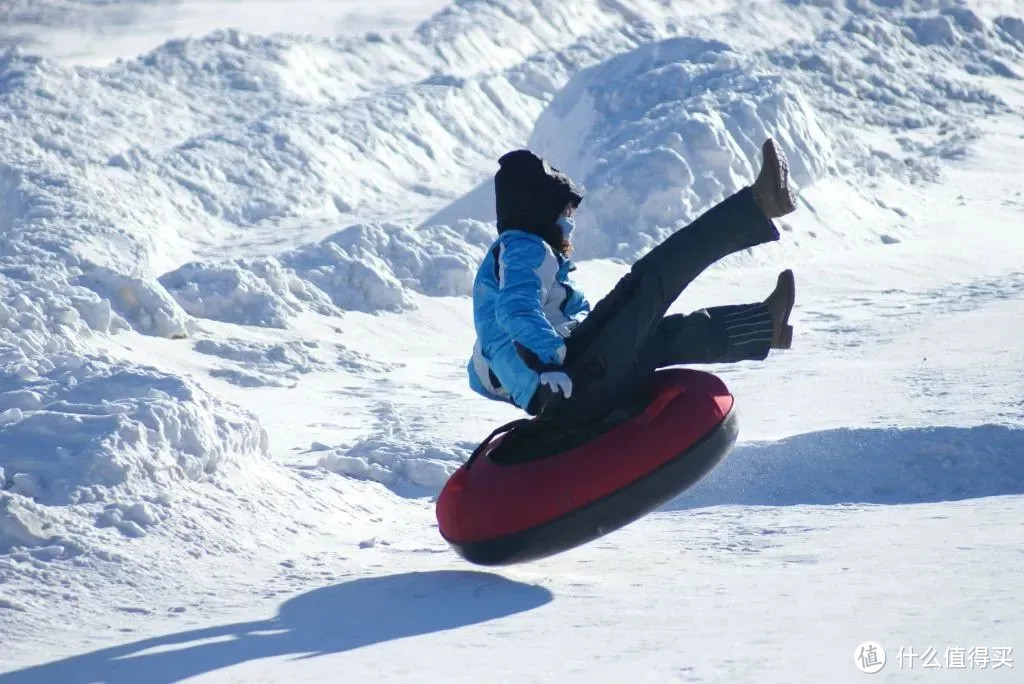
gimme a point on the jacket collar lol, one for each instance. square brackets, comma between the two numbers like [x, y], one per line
[515, 232]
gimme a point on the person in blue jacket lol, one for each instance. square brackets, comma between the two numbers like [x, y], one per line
[542, 347]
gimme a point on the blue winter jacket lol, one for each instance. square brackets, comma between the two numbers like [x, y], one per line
[522, 296]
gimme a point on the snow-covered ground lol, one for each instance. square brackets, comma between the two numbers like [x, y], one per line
[234, 325]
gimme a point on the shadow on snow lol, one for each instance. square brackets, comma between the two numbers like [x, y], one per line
[877, 465]
[328, 620]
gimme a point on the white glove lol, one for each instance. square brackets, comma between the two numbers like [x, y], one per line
[557, 381]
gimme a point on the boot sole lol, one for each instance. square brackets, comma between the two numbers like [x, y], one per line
[786, 278]
[785, 339]
[774, 157]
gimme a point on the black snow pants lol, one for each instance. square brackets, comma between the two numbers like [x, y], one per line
[627, 335]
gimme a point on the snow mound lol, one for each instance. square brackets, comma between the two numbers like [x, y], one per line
[659, 134]
[80, 429]
[94, 431]
[143, 303]
[259, 364]
[883, 466]
[397, 457]
[92, 422]
[400, 464]
[369, 267]
[260, 292]
[205, 144]
[231, 145]
[364, 267]
[888, 70]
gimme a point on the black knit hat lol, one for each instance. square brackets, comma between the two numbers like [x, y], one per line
[530, 194]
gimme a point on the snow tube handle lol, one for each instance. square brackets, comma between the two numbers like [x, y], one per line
[664, 398]
[483, 445]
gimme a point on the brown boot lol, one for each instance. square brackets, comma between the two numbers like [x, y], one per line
[780, 305]
[771, 189]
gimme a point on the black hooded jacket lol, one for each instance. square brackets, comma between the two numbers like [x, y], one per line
[530, 194]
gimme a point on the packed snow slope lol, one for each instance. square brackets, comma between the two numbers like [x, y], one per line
[234, 316]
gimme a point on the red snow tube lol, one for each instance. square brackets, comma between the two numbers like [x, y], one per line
[498, 513]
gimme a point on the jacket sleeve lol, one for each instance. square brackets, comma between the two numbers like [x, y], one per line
[576, 305]
[518, 307]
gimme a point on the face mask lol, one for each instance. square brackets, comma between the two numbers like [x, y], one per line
[566, 224]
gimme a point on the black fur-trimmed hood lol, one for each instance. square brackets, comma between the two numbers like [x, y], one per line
[530, 194]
